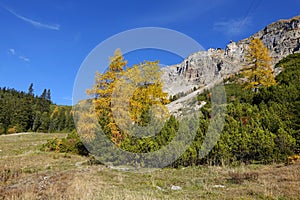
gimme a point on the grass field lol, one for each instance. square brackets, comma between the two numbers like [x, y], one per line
[28, 173]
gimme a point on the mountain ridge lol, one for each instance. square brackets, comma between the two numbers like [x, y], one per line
[201, 70]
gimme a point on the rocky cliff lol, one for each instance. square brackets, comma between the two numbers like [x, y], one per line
[203, 68]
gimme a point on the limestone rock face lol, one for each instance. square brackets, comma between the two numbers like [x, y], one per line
[281, 38]
[197, 71]
[202, 68]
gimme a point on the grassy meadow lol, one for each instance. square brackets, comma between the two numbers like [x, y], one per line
[28, 173]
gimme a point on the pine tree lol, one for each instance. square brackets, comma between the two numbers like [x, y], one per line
[44, 94]
[48, 96]
[258, 71]
[30, 89]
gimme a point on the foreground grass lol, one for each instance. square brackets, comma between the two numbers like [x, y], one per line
[27, 173]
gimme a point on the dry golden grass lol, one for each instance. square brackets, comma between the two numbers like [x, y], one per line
[27, 173]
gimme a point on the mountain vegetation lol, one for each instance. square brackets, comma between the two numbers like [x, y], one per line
[26, 112]
[261, 126]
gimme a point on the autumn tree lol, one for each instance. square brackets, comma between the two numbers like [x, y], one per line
[138, 101]
[143, 83]
[128, 99]
[258, 71]
[102, 94]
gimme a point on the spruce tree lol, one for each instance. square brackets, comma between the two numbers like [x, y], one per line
[44, 94]
[30, 89]
[48, 96]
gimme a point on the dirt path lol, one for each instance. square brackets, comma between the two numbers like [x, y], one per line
[14, 134]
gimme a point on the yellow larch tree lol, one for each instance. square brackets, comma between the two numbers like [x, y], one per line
[102, 93]
[149, 92]
[258, 71]
[122, 97]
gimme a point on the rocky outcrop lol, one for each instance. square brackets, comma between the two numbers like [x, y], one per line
[282, 38]
[202, 68]
[198, 70]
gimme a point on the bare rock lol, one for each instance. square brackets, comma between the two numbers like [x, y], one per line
[175, 187]
[202, 69]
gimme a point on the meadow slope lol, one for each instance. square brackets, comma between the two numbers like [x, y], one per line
[28, 173]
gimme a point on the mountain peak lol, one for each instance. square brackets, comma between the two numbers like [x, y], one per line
[203, 69]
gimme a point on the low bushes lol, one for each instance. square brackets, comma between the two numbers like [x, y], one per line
[71, 144]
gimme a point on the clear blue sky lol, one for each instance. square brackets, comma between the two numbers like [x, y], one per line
[45, 41]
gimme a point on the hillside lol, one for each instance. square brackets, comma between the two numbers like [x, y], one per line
[259, 127]
[26, 112]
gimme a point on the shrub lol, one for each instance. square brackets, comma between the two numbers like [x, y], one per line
[12, 130]
[293, 159]
[71, 144]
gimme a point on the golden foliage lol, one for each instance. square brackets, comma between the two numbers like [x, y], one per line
[149, 91]
[258, 71]
[86, 120]
[293, 159]
[103, 89]
[12, 130]
[122, 97]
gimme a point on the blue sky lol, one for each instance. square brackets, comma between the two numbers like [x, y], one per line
[44, 42]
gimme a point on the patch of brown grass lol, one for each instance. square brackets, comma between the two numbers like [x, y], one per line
[38, 186]
[239, 178]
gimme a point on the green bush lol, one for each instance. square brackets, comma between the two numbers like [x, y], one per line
[71, 144]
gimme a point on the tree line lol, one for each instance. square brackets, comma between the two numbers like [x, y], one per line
[26, 112]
